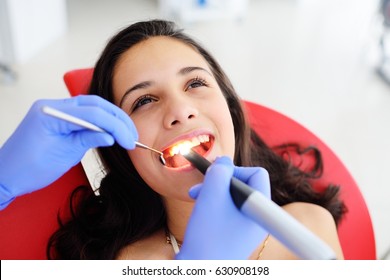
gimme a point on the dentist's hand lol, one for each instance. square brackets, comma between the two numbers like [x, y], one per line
[43, 147]
[217, 229]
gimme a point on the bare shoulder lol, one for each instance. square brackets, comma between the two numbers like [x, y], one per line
[311, 214]
[315, 218]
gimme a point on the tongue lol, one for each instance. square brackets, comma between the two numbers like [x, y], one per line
[200, 149]
[179, 161]
[176, 161]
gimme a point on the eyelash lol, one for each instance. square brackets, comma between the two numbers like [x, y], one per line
[198, 80]
[139, 100]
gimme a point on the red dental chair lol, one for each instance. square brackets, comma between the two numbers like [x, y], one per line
[27, 223]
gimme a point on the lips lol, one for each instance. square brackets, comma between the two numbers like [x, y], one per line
[200, 143]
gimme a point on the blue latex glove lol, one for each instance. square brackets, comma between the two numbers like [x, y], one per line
[43, 148]
[217, 229]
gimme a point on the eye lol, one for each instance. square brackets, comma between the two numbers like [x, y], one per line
[143, 100]
[197, 82]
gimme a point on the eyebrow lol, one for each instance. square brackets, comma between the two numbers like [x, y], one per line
[190, 69]
[133, 88]
[146, 84]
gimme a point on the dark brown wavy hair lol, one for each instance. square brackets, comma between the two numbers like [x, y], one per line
[128, 210]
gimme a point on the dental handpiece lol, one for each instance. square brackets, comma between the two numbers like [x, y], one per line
[271, 217]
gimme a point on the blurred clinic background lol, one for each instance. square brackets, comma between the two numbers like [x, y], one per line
[321, 62]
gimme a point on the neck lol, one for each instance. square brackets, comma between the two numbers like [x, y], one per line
[178, 214]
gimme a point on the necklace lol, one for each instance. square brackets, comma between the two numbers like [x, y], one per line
[170, 238]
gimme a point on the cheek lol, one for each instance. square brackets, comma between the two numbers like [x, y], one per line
[226, 128]
[144, 165]
[139, 160]
[229, 136]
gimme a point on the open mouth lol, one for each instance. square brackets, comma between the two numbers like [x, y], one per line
[201, 144]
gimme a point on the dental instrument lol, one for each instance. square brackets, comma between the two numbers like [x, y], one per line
[72, 119]
[270, 216]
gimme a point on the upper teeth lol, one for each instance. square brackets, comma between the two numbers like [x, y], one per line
[195, 141]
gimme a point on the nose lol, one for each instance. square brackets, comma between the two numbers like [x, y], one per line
[179, 111]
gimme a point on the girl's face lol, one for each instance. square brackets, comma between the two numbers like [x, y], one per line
[170, 93]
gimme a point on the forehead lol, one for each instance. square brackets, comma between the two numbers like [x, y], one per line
[157, 52]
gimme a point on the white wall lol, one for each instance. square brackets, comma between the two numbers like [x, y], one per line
[28, 26]
[5, 38]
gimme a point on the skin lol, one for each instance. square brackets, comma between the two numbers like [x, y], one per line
[168, 90]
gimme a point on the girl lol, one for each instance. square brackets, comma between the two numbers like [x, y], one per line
[175, 91]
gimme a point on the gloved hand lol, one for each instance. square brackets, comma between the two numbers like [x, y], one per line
[217, 229]
[43, 147]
